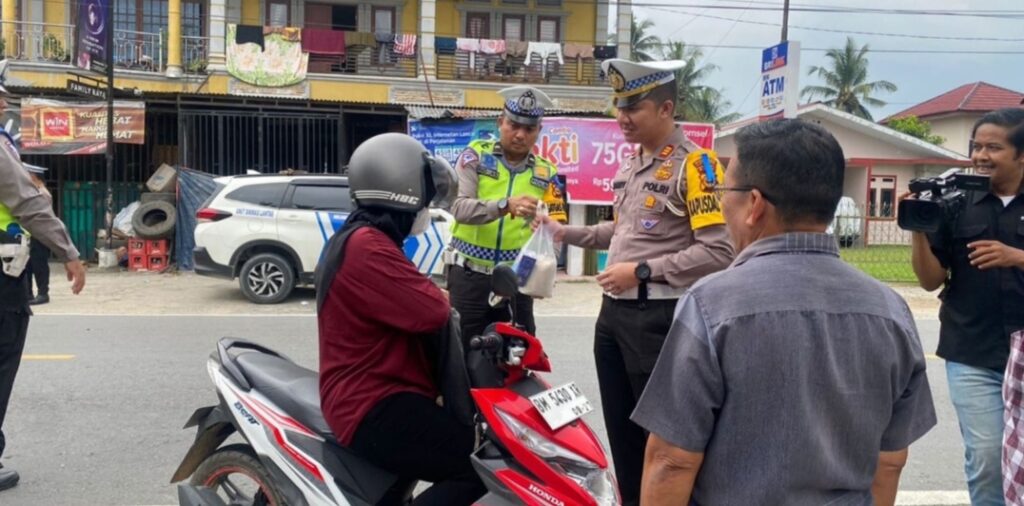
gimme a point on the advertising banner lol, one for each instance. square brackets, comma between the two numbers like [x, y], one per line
[780, 73]
[91, 40]
[55, 127]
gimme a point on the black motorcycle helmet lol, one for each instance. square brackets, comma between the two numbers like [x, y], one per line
[397, 173]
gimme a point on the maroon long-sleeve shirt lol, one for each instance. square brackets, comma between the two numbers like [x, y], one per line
[373, 327]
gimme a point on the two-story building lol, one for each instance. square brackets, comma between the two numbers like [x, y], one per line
[236, 85]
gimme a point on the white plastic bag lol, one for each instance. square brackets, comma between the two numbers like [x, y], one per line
[123, 220]
[537, 264]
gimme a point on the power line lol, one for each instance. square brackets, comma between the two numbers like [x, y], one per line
[855, 32]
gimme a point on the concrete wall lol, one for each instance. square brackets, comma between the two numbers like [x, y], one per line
[957, 131]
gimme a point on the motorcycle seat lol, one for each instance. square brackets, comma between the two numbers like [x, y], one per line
[293, 388]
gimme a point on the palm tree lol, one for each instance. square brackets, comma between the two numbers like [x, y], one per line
[708, 106]
[846, 87]
[642, 44]
[690, 77]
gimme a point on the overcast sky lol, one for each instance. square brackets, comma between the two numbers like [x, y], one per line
[919, 76]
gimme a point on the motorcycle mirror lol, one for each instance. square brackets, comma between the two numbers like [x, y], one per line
[504, 282]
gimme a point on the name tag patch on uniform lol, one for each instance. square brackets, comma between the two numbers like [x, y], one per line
[618, 185]
[488, 166]
[648, 222]
[538, 182]
[653, 187]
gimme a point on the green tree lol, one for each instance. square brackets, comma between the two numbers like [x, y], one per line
[689, 79]
[642, 45]
[707, 105]
[846, 85]
[915, 127]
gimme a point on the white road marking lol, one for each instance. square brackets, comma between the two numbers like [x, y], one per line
[932, 497]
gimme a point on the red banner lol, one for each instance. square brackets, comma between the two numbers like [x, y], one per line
[589, 152]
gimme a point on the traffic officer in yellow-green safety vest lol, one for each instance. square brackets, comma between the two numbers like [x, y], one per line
[500, 185]
[23, 208]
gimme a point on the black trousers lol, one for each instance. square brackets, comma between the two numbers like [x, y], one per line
[39, 268]
[408, 434]
[13, 330]
[469, 292]
[627, 341]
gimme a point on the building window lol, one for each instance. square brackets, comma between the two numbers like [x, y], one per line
[514, 2]
[383, 20]
[882, 195]
[331, 17]
[478, 25]
[512, 27]
[278, 13]
[549, 3]
[150, 16]
[548, 29]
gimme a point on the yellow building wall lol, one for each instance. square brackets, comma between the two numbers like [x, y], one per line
[447, 24]
[55, 13]
[410, 17]
[251, 12]
[579, 26]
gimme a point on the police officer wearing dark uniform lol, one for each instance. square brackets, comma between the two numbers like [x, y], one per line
[23, 208]
[668, 232]
[500, 186]
[39, 254]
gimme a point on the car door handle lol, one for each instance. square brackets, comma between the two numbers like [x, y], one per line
[292, 217]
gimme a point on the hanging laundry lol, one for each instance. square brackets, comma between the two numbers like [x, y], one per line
[249, 34]
[445, 45]
[405, 45]
[488, 46]
[288, 33]
[578, 51]
[606, 52]
[470, 45]
[323, 41]
[360, 39]
[516, 48]
[544, 49]
[384, 41]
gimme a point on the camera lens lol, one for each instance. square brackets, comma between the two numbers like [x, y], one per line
[920, 215]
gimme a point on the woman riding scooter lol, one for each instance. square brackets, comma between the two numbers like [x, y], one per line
[377, 389]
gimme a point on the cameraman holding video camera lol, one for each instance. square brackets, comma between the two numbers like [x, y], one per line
[978, 254]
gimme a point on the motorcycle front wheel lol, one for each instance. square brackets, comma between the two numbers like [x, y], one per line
[236, 475]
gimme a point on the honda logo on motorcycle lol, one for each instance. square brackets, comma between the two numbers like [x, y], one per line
[543, 494]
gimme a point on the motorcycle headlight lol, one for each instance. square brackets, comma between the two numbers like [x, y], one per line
[599, 483]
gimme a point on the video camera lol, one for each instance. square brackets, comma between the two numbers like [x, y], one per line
[939, 199]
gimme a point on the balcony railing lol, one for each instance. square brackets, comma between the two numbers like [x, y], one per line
[40, 42]
[466, 66]
[195, 54]
[381, 60]
[139, 50]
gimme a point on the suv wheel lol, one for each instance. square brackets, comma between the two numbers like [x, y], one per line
[267, 278]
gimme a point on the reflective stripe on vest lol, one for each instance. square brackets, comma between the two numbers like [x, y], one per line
[501, 239]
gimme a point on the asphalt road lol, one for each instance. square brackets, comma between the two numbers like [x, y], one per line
[99, 404]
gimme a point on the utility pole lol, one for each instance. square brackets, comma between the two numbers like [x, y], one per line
[109, 200]
[785, 21]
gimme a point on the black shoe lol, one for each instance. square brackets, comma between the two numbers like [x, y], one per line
[8, 478]
[39, 299]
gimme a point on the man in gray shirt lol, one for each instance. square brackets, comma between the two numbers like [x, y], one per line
[791, 377]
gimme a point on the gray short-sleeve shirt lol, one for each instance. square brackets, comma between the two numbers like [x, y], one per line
[789, 371]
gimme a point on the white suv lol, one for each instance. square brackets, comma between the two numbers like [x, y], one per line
[269, 231]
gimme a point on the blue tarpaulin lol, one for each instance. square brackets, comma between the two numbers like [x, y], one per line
[194, 188]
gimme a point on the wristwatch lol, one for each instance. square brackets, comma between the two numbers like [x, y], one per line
[503, 206]
[643, 271]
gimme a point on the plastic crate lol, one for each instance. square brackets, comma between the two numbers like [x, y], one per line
[156, 247]
[137, 246]
[156, 262]
[138, 262]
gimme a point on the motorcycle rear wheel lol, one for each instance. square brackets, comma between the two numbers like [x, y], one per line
[224, 470]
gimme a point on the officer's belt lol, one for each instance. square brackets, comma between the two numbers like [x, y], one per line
[470, 265]
[655, 291]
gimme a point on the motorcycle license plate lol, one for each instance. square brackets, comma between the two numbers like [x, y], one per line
[561, 405]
